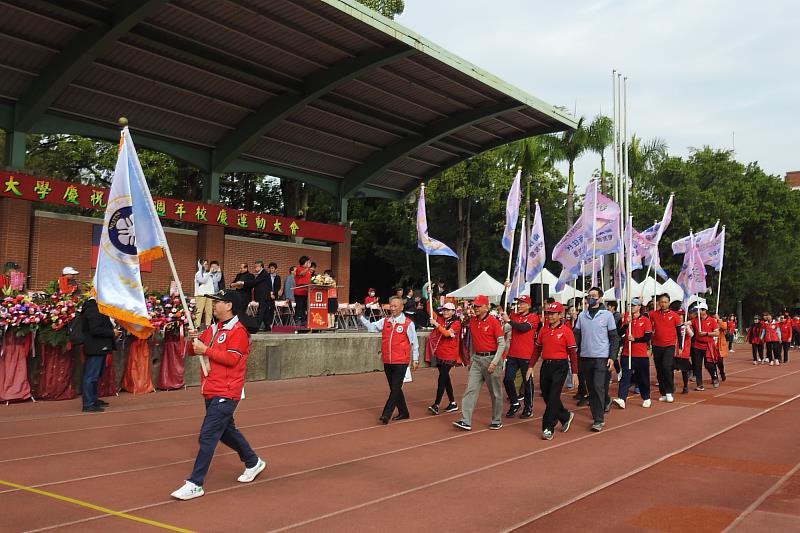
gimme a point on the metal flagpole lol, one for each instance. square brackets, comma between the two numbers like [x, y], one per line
[508, 271]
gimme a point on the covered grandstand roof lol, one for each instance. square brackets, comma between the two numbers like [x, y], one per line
[324, 91]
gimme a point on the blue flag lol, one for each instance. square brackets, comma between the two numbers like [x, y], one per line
[131, 232]
[536, 250]
[518, 280]
[424, 241]
[512, 213]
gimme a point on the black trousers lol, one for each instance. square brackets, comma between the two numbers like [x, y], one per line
[795, 337]
[664, 360]
[444, 383]
[698, 362]
[218, 426]
[513, 365]
[639, 374]
[785, 345]
[758, 351]
[774, 351]
[301, 309]
[395, 375]
[551, 380]
[597, 376]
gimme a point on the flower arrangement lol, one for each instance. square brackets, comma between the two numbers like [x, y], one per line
[324, 280]
[20, 313]
[58, 310]
[167, 313]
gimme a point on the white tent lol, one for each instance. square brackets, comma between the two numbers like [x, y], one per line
[482, 284]
[651, 288]
[567, 294]
[547, 278]
[673, 289]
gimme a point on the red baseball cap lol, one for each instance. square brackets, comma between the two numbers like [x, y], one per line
[554, 307]
[524, 299]
[481, 299]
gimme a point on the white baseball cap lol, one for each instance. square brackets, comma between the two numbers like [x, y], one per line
[69, 270]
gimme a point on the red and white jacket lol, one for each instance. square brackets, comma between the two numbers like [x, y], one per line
[228, 348]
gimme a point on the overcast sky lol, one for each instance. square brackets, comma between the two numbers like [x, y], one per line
[698, 70]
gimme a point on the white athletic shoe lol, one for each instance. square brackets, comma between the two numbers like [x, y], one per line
[250, 474]
[670, 399]
[777, 363]
[646, 403]
[755, 362]
[188, 491]
[619, 402]
[772, 363]
[662, 398]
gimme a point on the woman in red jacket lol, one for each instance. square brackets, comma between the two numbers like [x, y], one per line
[302, 278]
[446, 351]
[756, 342]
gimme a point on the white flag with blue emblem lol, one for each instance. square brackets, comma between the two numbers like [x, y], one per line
[131, 232]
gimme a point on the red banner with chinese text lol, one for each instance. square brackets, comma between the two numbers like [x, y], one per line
[36, 189]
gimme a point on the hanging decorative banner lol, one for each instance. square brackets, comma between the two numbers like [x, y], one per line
[52, 191]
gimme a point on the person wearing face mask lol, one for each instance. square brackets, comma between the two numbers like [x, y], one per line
[598, 346]
[756, 342]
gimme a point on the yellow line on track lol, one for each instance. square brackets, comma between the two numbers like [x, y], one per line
[94, 507]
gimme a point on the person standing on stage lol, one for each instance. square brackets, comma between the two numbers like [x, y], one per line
[302, 278]
[635, 361]
[771, 335]
[258, 288]
[226, 344]
[598, 346]
[203, 286]
[523, 326]
[488, 345]
[555, 345]
[666, 329]
[704, 347]
[756, 342]
[399, 345]
[446, 352]
[785, 325]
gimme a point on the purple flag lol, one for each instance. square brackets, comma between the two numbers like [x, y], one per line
[692, 278]
[570, 251]
[512, 213]
[536, 251]
[712, 253]
[681, 245]
[597, 209]
[424, 241]
[518, 280]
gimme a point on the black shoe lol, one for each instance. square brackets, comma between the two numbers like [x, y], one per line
[384, 419]
[685, 390]
[526, 413]
[496, 425]
[452, 407]
[434, 409]
[607, 408]
[722, 375]
[93, 409]
[583, 401]
[512, 410]
[401, 417]
[462, 425]
[101, 403]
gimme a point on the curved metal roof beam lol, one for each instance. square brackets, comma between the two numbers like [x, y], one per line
[255, 125]
[380, 161]
[79, 54]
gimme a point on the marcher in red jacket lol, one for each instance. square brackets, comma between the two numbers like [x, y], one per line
[446, 351]
[756, 342]
[226, 344]
[785, 325]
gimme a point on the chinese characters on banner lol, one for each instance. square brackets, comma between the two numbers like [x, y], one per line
[37, 189]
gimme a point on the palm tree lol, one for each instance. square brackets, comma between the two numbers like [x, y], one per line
[601, 133]
[645, 156]
[569, 146]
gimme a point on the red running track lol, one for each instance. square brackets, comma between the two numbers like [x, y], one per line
[724, 458]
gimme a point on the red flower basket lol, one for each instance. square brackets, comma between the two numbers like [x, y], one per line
[14, 383]
[55, 373]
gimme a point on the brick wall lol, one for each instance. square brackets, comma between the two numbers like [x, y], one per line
[43, 243]
[15, 231]
[792, 179]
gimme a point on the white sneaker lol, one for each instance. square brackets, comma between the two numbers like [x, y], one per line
[670, 399]
[250, 474]
[662, 398]
[777, 363]
[772, 363]
[619, 402]
[188, 491]
[646, 403]
[755, 362]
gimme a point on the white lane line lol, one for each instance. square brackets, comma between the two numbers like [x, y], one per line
[761, 499]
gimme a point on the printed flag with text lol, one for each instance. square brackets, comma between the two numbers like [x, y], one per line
[424, 241]
[512, 212]
[536, 251]
[518, 279]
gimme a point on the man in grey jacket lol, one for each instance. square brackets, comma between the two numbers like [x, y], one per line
[598, 345]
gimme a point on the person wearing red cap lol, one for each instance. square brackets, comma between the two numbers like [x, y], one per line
[523, 325]
[446, 351]
[370, 299]
[488, 345]
[556, 346]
